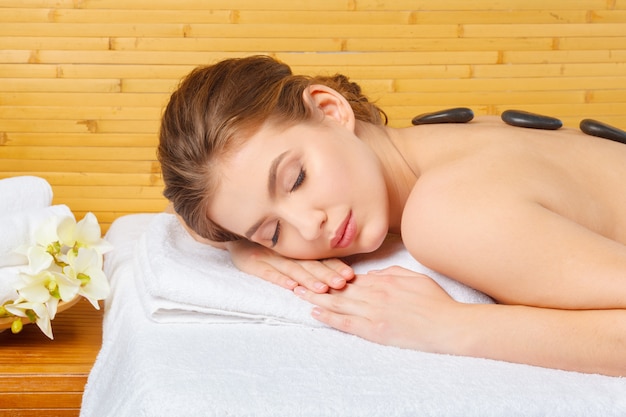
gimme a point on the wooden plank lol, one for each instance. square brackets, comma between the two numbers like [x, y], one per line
[126, 191]
[92, 178]
[82, 126]
[550, 70]
[210, 44]
[504, 85]
[413, 17]
[61, 43]
[483, 97]
[603, 43]
[92, 30]
[27, 71]
[56, 412]
[41, 153]
[185, 4]
[456, 44]
[220, 4]
[544, 30]
[57, 84]
[120, 167]
[29, 400]
[161, 71]
[112, 204]
[607, 16]
[80, 98]
[393, 58]
[57, 382]
[84, 139]
[197, 58]
[481, 5]
[72, 113]
[548, 57]
[99, 33]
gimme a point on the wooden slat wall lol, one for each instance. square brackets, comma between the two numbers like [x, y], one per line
[83, 82]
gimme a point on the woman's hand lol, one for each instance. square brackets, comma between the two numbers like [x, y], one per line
[316, 276]
[395, 307]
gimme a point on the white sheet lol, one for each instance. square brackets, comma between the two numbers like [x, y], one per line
[251, 369]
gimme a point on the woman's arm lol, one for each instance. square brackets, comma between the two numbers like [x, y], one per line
[288, 273]
[409, 310]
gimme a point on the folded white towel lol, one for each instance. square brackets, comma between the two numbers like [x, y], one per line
[24, 193]
[187, 281]
[18, 228]
[9, 277]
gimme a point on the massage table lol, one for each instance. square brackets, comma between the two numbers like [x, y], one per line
[159, 358]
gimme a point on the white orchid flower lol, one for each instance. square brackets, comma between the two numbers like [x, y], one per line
[37, 312]
[46, 248]
[65, 261]
[86, 267]
[48, 287]
[84, 234]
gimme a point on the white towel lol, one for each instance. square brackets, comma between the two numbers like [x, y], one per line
[18, 229]
[187, 281]
[9, 277]
[24, 193]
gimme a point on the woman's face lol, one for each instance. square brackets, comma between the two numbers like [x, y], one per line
[310, 191]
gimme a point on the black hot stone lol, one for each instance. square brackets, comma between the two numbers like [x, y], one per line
[521, 118]
[602, 130]
[455, 115]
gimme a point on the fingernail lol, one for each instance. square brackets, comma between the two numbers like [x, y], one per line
[347, 272]
[320, 286]
[292, 284]
[316, 312]
[299, 290]
[338, 282]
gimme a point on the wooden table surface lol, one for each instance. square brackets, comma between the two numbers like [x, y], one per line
[43, 377]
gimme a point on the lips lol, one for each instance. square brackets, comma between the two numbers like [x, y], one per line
[345, 233]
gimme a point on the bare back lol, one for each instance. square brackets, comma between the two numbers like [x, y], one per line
[528, 216]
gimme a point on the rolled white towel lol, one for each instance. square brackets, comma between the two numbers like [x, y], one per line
[24, 193]
[18, 229]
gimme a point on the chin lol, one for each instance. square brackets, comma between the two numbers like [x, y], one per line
[373, 241]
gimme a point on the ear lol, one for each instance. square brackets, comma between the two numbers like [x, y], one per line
[329, 103]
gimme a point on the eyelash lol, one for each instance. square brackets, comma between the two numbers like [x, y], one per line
[296, 185]
[299, 180]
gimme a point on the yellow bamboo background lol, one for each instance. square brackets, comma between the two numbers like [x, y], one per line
[83, 82]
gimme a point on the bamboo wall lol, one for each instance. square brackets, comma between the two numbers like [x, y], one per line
[83, 82]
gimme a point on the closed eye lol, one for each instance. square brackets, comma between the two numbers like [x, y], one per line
[296, 185]
[276, 234]
[299, 180]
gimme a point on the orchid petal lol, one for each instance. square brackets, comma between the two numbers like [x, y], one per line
[88, 230]
[38, 259]
[35, 291]
[66, 231]
[97, 288]
[68, 286]
[52, 306]
[47, 232]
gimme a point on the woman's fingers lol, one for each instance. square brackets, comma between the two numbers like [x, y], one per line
[402, 308]
[318, 276]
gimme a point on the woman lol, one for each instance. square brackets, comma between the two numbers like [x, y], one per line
[306, 168]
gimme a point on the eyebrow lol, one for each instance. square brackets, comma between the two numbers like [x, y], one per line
[271, 188]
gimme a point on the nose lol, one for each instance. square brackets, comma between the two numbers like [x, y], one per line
[308, 222]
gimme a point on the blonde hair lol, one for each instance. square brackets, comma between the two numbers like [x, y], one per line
[215, 108]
